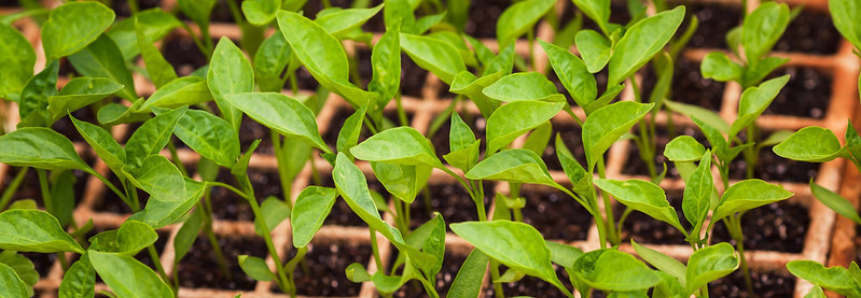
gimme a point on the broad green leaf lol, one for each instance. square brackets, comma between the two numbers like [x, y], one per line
[134, 236]
[762, 28]
[179, 92]
[210, 136]
[460, 135]
[79, 93]
[606, 125]
[273, 55]
[516, 118]
[197, 10]
[642, 41]
[102, 58]
[835, 279]
[433, 243]
[438, 57]
[467, 283]
[10, 284]
[698, 192]
[754, 101]
[747, 195]
[514, 165]
[260, 12]
[34, 96]
[668, 287]
[811, 144]
[455, 40]
[465, 83]
[128, 277]
[341, 22]
[187, 235]
[663, 262]
[154, 25]
[386, 63]
[706, 116]
[151, 137]
[402, 181]
[523, 86]
[171, 194]
[709, 264]
[18, 58]
[581, 180]
[604, 100]
[402, 145]
[40, 148]
[80, 280]
[504, 62]
[515, 244]
[777, 137]
[718, 66]
[284, 114]
[66, 31]
[573, 74]
[274, 212]
[816, 292]
[348, 136]
[595, 49]
[715, 138]
[25, 204]
[357, 273]
[103, 144]
[642, 196]
[22, 266]
[835, 201]
[597, 10]
[562, 254]
[538, 139]
[684, 148]
[845, 14]
[62, 197]
[616, 271]
[229, 73]
[519, 18]
[34, 231]
[761, 69]
[464, 158]
[255, 268]
[311, 208]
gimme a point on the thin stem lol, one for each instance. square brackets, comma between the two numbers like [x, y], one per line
[175, 156]
[46, 192]
[377, 259]
[494, 272]
[750, 157]
[611, 230]
[531, 36]
[110, 185]
[153, 254]
[12, 188]
[281, 159]
[402, 115]
[258, 220]
[210, 234]
[739, 244]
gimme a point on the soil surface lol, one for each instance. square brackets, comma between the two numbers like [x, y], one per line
[450, 200]
[304, 80]
[811, 32]
[122, 9]
[618, 14]
[41, 262]
[450, 266]
[327, 264]
[765, 285]
[556, 215]
[199, 269]
[715, 21]
[771, 167]
[807, 94]
[483, 16]
[112, 203]
[774, 227]
[688, 87]
[183, 54]
[220, 13]
[313, 7]
[65, 127]
[9, 3]
[645, 229]
[250, 131]
[230, 206]
[572, 137]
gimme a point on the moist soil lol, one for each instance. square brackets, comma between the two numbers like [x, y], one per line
[250, 131]
[330, 136]
[811, 32]
[9, 3]
[451, 264]
[122, 9]
[112, 203]
[556, 215]
[645, 229]
[688, 87]
[857, 244]
[807, 94]
[66, 69]
[634, 165]
[715, 21]
[572, 138]
[30, 189]
[341, 214]
[450, 200]
[440, 138]
[771, 167]
[65, 127]
[41, 262]
[304, 80]
[199, 268]
[765, 285]
[483, 16]
[227, 205]
[775, 227]
[327, 265]
[182, 53]
[313, 7]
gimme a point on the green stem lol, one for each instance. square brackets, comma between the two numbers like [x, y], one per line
[750, 157]
[175, 156]
[133, 6]
[46, 191]
[608, 209]
[210, 234]
[402, 115]
[110, 185]
[12, 188]
[283, 175]
[64, 262]
[377, 259]
[739, 244]
[494, 273]
[153, 254]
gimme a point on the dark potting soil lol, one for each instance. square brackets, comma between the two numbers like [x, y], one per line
[9, 3]
[765, 285]
[41, 262]
[450, 266]
[122, 9]
[450, 200]
[811, 32]
[532, 286]
[199, 269]
[715, 21]
[341, 214]
[330, 136]
[182, 53]
[304, 80]
[556, 215]
[327, 265]
[65, 127]
[220, 13]
[857, 244]
[774, 227]
[440, 138]
[688, 87]
[30, 189]
[634, 165]
[807, 94]
[483, 16]
[413, 77]
[66, 69]
[377, 23]
[250, 131]
[645, 229]
[227, 205]
[112, 203]
[572, 137]
[771, 167]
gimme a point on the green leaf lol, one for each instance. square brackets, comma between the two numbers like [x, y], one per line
[642, 41]
[151, 137]
[811, 144]
[597, 10]
[135, 236]
[684, 148]
[573, 74]
[402, 181]
[402, 145]
[128, 277]
[80, 280]
[22, 266]
[562, 254]
[102, 58]
[79, 93]
[210, 136]
[835, 279]
[273, 55]
[663, 262]
[835, 202]
[40, 148]
[357, 273]
[255, 268]
[514, 119]
[34, 231]
[718, 66]
[606, 125]
[754, 101]
[197, 10]
[187, 235]
[311, 208]
[467, 283]
[438, 57]
[777, 137]
[18, 59]
[513, 165]
[34, 96]
[343, 21]
[62, 197]
[747, 195]
[519, 18]
[229, 73]
[154, 25]
[706, 116]
[845, 14]
[348, 136]
[274, 212]
[10, 284]
[460, 134]
[103, 144]
[25, 204]
[709, 264]
[386, 63]
[615, 271]
[465, 158]
[171, 194]
[515, 244]
[816, 292]
[762, 28]
[538, 139]
[698, 193]
[595, 49]
[66, 31]
[504, 62]
[284, 114]
[642, 196]
[465, 83]
[758, 71]
[523, 86]
[581, 180]
[180, 92]
[260, 12]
